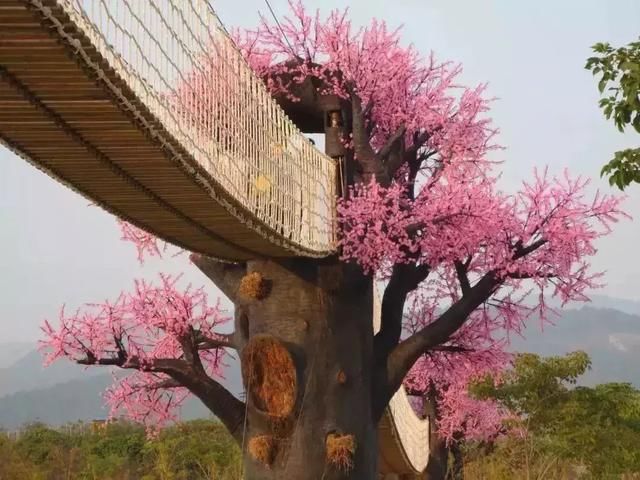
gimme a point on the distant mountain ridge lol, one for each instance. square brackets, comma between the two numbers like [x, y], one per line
[610, 337]
[76, 400]
[28, 373]
[12, 351]
[632, 307]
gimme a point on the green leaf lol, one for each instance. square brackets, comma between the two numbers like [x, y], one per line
[636, 122]
[602, 84]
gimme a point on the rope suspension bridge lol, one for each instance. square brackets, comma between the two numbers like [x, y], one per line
[146, 108]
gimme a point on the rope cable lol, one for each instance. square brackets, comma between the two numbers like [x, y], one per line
[246, 413]
[280, 28]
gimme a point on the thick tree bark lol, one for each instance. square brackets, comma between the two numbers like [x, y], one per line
[438, 459]
[457, 466]
[321, 313]
[438, 451]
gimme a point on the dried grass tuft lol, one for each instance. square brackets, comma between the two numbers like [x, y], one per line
[270, 376]
[254, 286]
[340, 450]
[262, 448]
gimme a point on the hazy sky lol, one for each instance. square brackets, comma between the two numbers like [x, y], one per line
[56, 249]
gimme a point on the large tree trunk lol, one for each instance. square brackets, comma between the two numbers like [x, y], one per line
[439, 467]
[457, 466]
[315, 422]
[438, 459]
[438, 451]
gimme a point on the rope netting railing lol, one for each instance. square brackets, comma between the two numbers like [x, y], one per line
[177, 58]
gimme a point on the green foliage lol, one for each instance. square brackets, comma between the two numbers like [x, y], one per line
[185, 452]
[112, 451]
[198, 450]
[619, 84]
[563, 427]
[39, 441]
[515, 458]
[571, 432]
[536, 385]
[13, 464]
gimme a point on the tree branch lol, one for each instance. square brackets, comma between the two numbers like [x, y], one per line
[461, 272]
[223, 341]
[218, 399]
[366, 116]
[389, 377]
[404, 279]
[451, 348]
[165, 384]
[370, 164]
[392, 154]
[522, 275]
[223, 404]
[522, 251]
[420, 138]
[405, 354]
[226, 276]
[133, 362]
[190, 350]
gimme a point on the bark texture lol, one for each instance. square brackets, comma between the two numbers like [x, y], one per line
[320, 312]
[438, 459]
[438, 451]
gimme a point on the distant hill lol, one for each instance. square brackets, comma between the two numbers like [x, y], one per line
[65, 392]
[28, 373]
[631, 307]
[12, 352]
[77, 400]
[610, 337]
[56, 405]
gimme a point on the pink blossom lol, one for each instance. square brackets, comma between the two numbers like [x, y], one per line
[141, 330]
[145, 243]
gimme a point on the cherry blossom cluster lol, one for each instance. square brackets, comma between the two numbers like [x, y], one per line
[395, 82]
[544, 233]
[146, 244]
[550, 213]
[142, 330]
[476, 350]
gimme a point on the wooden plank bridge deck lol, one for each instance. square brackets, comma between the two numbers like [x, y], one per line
[77, 119]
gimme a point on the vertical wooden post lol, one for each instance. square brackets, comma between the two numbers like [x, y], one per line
[333, 132]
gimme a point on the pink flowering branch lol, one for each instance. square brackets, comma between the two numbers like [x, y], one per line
[442, 376]
[541, 235]
[402, 109]
[168, 335]
[145, 243]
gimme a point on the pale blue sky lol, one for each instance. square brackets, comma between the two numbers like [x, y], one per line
[56, 249]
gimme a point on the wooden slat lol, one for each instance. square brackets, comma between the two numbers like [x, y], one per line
[46, 69]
